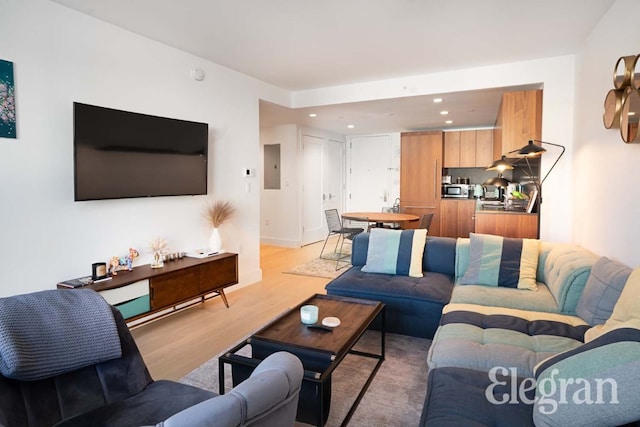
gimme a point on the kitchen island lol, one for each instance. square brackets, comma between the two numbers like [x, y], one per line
[506, 223]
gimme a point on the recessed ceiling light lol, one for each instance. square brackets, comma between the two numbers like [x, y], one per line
[350, 126]
[449, 122]
[444, 112]
[437, 100]
[313, 115]
[632, 113]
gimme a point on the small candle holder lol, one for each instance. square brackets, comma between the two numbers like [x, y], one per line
[309, 314]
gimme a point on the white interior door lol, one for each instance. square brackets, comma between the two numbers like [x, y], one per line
[312, 213]
[333, 175]
[369, 173]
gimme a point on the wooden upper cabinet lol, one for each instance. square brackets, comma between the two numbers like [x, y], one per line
[484, 148]
[468, 149]
[519, 120]
[451, 150]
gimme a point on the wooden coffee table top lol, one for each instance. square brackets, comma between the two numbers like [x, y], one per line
[355, 316]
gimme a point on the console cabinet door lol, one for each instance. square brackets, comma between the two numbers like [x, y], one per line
[174, 287]
[216, 275]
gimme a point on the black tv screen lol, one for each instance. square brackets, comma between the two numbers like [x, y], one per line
[120, 154]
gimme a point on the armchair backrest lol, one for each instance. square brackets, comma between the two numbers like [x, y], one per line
[269, 397]
[46, 401]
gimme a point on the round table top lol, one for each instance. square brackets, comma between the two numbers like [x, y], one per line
[380, 216]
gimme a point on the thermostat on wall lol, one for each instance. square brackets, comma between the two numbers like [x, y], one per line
[249, 172]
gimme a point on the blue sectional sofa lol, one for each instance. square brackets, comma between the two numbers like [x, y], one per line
[413, 305]
[576, 328]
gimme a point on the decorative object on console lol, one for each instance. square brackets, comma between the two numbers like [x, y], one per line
[622, 104]
[123, 263]
[98, 271]
[159, 247]
[218, 213]
[7, 101]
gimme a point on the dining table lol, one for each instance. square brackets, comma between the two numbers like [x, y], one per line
[380, 218]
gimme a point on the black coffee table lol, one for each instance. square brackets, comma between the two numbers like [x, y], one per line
[320, 351]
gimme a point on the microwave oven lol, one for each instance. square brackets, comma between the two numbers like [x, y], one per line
[455, 190]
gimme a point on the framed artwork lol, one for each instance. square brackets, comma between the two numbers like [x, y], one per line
[7, 101]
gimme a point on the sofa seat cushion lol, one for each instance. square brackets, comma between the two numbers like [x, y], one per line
[540, 300]
[435, 287]
[413, 305]
[160, 400]
[482, 338]
[457, 397]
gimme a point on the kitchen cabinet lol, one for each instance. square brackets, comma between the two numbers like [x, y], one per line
[421, 175]
[468, 149]
[507, 224]
[457, 217]
[519, 120]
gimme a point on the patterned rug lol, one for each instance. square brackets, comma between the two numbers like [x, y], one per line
[320, 268]
[394, 398]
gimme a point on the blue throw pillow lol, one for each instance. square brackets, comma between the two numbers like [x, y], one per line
[502, 261]
[395, 252]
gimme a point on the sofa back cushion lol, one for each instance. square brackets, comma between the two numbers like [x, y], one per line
[440, 255]
[597, 383]
[626, 311]
[566, 270]
[602, 290]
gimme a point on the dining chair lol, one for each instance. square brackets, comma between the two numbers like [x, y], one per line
[393, 225]
[425, 221]
[336, 227]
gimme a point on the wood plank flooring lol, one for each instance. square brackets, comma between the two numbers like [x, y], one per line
[175, 345]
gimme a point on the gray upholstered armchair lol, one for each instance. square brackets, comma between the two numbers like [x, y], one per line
[67, 359]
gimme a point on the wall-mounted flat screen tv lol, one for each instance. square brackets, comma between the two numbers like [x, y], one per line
[120, 154]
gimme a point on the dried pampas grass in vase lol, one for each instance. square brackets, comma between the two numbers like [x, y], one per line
[218, 213]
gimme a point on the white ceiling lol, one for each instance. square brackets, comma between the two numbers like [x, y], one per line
[304, 44]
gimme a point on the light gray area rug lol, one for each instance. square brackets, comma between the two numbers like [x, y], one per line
[319, 268]
[394, 398]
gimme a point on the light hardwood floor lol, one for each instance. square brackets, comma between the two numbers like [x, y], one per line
[175, 345]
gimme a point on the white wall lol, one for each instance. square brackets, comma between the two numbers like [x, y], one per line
[280, 209]
[61, 56]
[557, 75]
[607, 171]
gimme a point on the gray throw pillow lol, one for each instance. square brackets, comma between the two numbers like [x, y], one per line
[602, 290]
